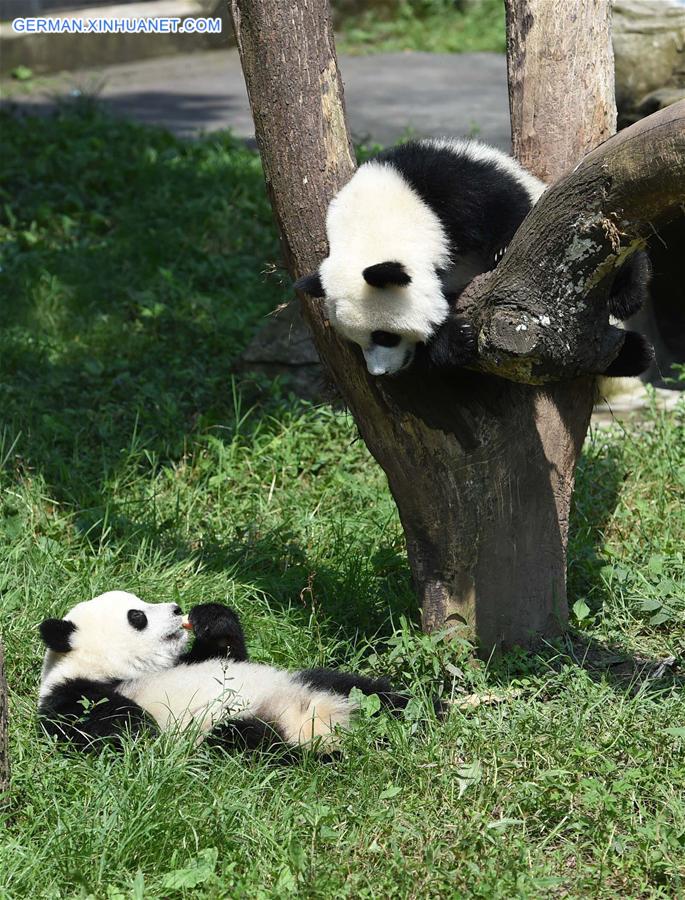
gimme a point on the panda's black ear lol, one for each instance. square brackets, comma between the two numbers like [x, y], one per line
[310, 284]
[383, 274]
[56, 634]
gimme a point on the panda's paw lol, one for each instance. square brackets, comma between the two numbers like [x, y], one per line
[634, 358]
[467, 341]
[217, 629]
[455, 345]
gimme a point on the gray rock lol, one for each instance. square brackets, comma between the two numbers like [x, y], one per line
[649, 45]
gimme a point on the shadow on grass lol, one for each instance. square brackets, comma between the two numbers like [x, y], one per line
[134, 266]
[624, 672]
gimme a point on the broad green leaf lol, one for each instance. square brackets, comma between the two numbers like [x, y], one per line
[201, 869]
[581, 610]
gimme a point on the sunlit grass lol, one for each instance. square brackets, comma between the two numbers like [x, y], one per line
[430, 26]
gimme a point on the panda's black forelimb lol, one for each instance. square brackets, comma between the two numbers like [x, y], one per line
[218, 634]
[628, 293]
[453, 346]
[88, 714]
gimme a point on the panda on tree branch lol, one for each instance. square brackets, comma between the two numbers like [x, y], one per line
[410, 231]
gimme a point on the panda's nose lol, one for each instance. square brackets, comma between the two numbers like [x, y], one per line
[177, 611]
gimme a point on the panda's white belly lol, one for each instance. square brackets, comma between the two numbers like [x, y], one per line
[203, 693]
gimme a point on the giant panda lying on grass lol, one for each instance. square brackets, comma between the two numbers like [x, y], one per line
[115, 662]
[411, 229]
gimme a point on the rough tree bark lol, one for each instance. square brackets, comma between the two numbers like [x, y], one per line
[560, 67]
[481, 468]
[4, 746]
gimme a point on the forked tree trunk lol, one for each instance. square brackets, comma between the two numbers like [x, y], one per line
[481, 468]
[4, 745]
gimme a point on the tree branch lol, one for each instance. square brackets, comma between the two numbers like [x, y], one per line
[546, 322]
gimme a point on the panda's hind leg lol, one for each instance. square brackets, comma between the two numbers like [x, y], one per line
[631, 286]
[343, 682]
[251, 734]
[311, 718]
[635, 357]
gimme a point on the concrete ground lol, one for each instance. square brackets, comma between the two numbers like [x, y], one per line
[386, 95]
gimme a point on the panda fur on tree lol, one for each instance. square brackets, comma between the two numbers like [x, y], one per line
[115, 665]
[411, 229]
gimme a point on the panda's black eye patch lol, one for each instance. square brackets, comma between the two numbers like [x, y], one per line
[137, 619]
[385, 338]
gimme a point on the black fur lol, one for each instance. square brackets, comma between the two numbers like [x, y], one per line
[385, 338]
[453, 346]
[636, 355]
[479, 205]
[218, 633]
[310, 284]
[386, 273]
[631, 286]
[87, 713]
[343, 682]
[250, 734]
[137, 619]
[56, 634]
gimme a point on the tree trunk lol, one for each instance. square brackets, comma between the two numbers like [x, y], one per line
[4, 743]
[481, 468]
[560, 67]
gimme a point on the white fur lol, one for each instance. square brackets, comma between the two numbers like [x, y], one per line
[105, 646]
[377, 217]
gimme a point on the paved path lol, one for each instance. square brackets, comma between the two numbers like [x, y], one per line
[386, 95]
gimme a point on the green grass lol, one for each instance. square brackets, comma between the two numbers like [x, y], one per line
[435, 26]
[132, 275]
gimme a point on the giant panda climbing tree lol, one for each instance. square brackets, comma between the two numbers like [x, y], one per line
[482, 471]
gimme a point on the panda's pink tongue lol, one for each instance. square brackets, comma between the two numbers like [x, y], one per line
[186, 624]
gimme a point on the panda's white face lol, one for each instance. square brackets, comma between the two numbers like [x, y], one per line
[380, 280]
[114, 636]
